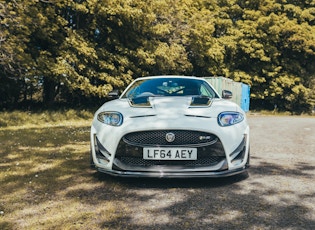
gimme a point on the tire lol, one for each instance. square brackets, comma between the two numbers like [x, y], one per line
[247, 165]
[92, 165]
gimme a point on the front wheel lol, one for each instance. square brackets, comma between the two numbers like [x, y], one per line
[92, 165]
[247, 165]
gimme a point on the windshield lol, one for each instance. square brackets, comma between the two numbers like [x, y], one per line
[170, 87]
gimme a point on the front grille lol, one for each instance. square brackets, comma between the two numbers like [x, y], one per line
[137, 161]
[158, 138]
[130, 149]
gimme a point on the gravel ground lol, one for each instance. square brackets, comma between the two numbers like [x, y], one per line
[62, 192]
[277, 193]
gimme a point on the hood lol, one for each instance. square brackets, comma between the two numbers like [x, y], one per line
[170, 107]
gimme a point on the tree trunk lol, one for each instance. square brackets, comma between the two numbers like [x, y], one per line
[48, 91]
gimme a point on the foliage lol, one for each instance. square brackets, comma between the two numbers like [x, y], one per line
[64, 50]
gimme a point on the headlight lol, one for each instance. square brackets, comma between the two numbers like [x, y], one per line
[110, 118]
[230, 118]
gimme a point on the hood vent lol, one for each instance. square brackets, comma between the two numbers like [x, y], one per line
[140, 102]
[200, 101]
[200, 116]
[144, 101]
[139, 116]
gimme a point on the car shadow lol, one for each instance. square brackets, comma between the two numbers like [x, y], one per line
[166, 183]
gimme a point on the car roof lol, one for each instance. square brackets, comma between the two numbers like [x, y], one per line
[166, 76]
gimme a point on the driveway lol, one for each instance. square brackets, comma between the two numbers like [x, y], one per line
[278, 193]
[46, 183]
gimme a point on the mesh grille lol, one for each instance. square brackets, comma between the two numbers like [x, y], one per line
[130, 149]
[158, 137]
[134, 161]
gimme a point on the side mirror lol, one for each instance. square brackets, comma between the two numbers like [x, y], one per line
[226, 94]
[113, 94]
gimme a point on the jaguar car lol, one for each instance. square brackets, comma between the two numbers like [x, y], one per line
[170, 126]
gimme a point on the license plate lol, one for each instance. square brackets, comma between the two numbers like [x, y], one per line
[170, 153]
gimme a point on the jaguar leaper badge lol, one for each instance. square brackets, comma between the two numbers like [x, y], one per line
[170, 137]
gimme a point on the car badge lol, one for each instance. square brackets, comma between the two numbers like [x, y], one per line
[202, 138]
[170, 137]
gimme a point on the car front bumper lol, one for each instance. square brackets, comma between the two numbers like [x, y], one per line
[175, 174]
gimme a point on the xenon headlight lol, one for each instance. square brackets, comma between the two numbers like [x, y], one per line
[230, 118]
[110, 118]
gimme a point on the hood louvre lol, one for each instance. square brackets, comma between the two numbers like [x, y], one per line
[140, 102]
[200, 101]
[191, 115]
[139, 116]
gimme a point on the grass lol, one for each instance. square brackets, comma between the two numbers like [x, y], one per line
[46, 182]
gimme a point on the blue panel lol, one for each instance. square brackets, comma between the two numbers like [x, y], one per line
[245, 97]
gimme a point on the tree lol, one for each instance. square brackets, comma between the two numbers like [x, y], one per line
[83, 49]
[274, 50]
[14, 62]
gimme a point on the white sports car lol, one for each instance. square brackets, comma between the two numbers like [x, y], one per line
[170, 126]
